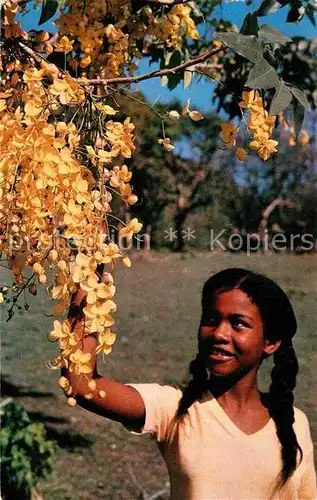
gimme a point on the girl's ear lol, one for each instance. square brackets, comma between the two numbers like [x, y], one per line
[270, 347]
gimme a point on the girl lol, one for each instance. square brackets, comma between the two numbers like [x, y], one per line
[221, 438]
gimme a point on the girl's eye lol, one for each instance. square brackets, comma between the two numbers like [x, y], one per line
[238, 323]
[209, 321]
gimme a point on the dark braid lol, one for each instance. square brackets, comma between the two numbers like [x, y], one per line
[279, 324]
[281, 406]
[195, 388]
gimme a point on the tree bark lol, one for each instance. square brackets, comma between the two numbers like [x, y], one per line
[263, 226]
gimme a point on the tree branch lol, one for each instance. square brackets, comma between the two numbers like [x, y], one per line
[157, 73]
[133, 79]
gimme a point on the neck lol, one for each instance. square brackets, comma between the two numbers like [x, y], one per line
[239, 391]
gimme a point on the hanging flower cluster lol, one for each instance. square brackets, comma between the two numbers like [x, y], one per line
[172, 29]
[62, 156]
[259, 124]
[96, 46]
[52, 205]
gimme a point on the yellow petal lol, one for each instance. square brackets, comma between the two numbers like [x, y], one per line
[126, 261]
[241, 154]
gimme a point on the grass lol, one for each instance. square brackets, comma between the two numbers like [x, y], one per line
[157, 320]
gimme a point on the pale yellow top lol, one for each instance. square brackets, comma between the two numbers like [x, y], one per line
[209, 457]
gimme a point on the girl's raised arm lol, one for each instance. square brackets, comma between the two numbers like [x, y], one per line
[110, 399]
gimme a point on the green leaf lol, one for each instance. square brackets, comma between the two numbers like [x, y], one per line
[262, 76]
[173, 80]
[281, 99]
[167, 59]
[300, 96]
[188, 75]
[247, 46]
[299, 115]
[49, 9]
[268, 7]
[171, 60]
[195, 9]
[270, 56]
[296, 13]
[250, 25]
[310, 13]
[269, 34]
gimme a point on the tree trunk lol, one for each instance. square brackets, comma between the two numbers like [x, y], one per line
[263, 226]
[179, 220]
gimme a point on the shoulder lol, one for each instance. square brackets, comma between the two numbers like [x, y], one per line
[165, 394]
[161, 403]
[302, 430]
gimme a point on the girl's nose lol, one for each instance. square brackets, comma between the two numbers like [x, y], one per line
[221, 331]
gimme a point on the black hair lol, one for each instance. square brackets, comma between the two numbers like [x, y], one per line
[280, 324]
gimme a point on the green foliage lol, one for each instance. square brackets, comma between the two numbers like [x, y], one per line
[49, 9]
[300, 96]
[26, 455]
[298, 9]
[248, 46]
[172, 59]
[269, 34]
[281, 99]
[262, 76]
[276, 58]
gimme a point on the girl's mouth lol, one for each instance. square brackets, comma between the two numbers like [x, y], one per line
[220, 355]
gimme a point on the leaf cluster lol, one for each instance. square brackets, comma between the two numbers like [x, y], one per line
[26, 455]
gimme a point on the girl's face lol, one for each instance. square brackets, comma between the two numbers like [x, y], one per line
[231, 335]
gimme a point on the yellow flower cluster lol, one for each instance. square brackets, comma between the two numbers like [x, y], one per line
[56, 187]
[259, 123]
[52, 204]
[175, 26]
[105, 36]
[11, 28]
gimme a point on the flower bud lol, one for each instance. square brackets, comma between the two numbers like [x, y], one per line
[37, 268]
[53, 255]
[71, 402]
[92, 385]
[174, 115]
[63, 382]
[42, 279]
[62, 265]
